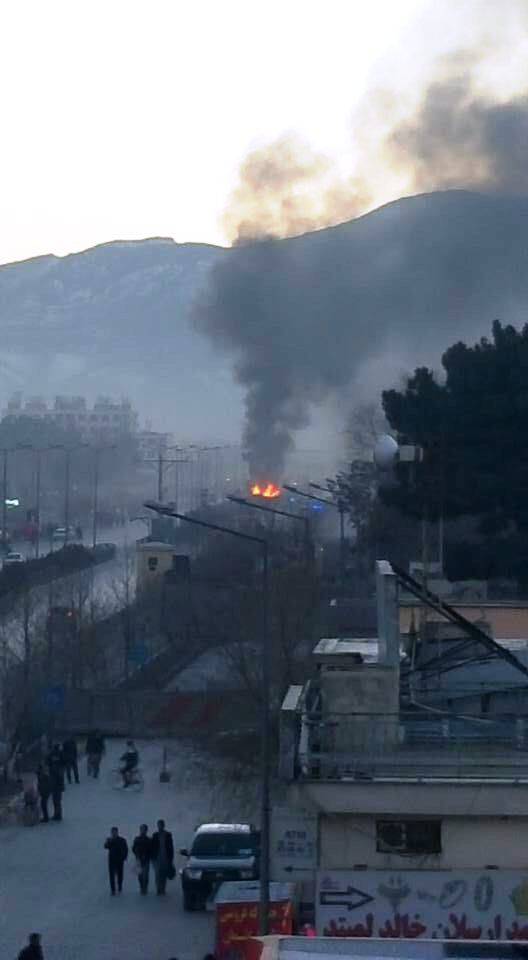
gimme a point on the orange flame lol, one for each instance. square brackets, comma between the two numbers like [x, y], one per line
[269, 492]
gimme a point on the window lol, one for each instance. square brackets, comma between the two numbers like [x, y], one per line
[409, 836]
[152, 564]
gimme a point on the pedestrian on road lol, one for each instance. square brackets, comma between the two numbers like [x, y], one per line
[95, 747]
[142, 850]
[33, 951]
[56, 761]
[117, 853]
[56, 773]
[162, 857]
[69, 753]
[44, 791]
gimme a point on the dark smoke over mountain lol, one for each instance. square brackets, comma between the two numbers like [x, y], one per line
[296, 330]
[459, 139]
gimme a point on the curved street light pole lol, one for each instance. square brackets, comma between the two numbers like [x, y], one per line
[339, 506]
[281, 513]
[265, 711]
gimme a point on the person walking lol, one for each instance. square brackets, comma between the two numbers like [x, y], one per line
[56, 761]
[162, 857]
[33, 951]
[117, 854]
[69, 753]
[44, 791]
[56, 773]
[142, 850]
[95, 747]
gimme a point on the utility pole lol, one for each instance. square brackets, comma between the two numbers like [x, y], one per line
[67, 495]
[37, 504]
[4, 499]
[162, 461]
[265, 732]
[95, 506]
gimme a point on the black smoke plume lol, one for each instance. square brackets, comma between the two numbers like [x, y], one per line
[302, 318]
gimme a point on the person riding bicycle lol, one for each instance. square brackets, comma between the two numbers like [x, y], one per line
[130, 761]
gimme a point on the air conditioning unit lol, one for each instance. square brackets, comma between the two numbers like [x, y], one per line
[391, 837]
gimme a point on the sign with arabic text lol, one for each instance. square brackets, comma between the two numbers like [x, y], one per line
[433, 904]
[237, 922]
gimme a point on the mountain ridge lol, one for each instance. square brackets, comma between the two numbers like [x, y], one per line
[408, 278]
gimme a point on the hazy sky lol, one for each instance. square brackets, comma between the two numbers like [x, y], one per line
[129, 118]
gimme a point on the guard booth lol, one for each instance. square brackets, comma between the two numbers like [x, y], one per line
[237, 915]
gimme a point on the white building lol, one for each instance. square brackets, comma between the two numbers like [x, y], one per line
[106, 420]
[420, 815]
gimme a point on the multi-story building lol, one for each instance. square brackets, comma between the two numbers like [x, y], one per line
[106, 420]
[418, 810]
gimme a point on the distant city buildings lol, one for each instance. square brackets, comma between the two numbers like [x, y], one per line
[107, 419]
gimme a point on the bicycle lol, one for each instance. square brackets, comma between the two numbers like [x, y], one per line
[135, 780]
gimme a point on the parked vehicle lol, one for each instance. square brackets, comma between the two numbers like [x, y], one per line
[219, 851]
[104, 551]
[13, 558]
[59, 536]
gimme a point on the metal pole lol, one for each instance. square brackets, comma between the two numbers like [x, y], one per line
[95, 496]
[67, 497]
[307, 543]
[160, 475]
[265, 754]
[265, 713]
[37, 498]
[4, 504]
[342, 559]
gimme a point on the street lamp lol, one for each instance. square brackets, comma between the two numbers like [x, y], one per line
[280, 513]
[97, 453]
[339, 505]
[5, 451]
[68, 450]
[39, 451]
[265, 713]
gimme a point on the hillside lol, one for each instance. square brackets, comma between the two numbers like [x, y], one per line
[394, 286]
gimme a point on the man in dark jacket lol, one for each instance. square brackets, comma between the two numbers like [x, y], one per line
[69, 753]
[44, 791]
[117, 853]
[95, 747]
[56, 772]
[33, 951]
[142, 849]
[162, 856]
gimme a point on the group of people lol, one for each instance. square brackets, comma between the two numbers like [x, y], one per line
[156, 850]
[60, 762]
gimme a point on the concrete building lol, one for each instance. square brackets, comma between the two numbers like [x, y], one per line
[107, 420]
[418, 810]
[153, 560]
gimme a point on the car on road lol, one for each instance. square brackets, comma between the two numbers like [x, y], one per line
[104, 551]
[59, 536]
[13, 558]
[218, 852]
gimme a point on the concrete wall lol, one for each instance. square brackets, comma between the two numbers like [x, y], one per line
[348, 841]
[152, 561]
[365, 702]
[456, 798]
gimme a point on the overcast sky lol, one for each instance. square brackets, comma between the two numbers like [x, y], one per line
[130, 118]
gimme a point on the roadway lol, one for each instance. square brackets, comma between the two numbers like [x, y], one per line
[54, 880]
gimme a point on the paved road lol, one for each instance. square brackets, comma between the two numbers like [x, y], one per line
[53, 877]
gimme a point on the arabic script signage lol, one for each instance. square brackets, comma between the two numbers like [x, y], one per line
[435, 904]
[236, 922]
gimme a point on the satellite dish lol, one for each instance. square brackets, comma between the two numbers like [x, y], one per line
[386, 452]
